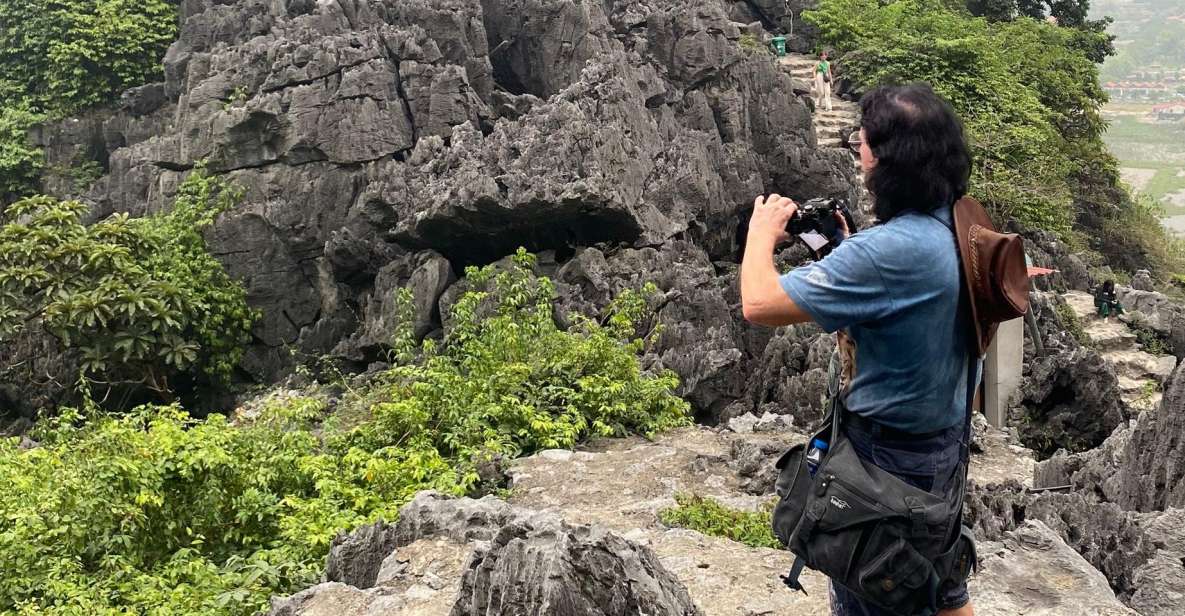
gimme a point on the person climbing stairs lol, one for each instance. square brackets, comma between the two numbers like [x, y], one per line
[831, 127]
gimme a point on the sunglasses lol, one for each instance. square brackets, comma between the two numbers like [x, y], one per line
[854, 142]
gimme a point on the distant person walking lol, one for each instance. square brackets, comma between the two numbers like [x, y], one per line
[1106, 300]
[823, 82]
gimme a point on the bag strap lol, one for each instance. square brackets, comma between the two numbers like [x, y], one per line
[973, 360]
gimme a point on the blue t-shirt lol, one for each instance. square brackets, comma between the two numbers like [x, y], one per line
[895, 288]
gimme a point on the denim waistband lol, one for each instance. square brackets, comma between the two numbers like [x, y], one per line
[881, 432]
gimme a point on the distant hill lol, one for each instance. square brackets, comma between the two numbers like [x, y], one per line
[1147, 32]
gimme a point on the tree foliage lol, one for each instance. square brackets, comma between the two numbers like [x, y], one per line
[60, 56]
[1029, 95]
[1024, 88]
[63, 55]
[138, 300]
[153, 512]
[20, 163]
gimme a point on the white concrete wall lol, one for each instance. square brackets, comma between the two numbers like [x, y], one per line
[1002, 370]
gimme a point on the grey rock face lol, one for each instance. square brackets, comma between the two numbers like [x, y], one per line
[1095, 470]
[1156, 311]
[700, 330]
[547, 567]
[790, 375]
[1005, 583]
[1045, 250]
[1070, 401]
[1152, 471]
[1110, 539]
[1142, 281]
[1160, 583]
[355, 558]
[515, 562]
[378, 141]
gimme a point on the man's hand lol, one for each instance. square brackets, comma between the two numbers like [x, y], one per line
[842, 221]
[770, 215]
[762, 299]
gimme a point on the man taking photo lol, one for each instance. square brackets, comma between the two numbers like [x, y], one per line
[893, 292]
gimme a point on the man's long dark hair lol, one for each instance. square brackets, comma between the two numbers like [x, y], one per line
[922, 157]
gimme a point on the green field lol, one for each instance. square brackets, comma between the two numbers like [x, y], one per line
[1152, 155]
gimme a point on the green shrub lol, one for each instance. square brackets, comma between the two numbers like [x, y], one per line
[1149, 339]
[507, 380]
[1023, 88]
[705, 515]
[157, 513]
[64, 55]
[20, 163]
[138, 300]
[751, 44]
[58, 57]
[1071, 324]
[1138, 230]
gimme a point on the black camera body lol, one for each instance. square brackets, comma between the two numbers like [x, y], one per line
[817, 215]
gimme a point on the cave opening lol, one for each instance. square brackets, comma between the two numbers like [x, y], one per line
[488, 232]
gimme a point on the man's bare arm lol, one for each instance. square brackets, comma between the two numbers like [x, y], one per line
[762, 299]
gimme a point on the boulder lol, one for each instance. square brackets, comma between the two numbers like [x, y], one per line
[1070, 400]
[1033, 572]
[1151, 308]
[484, 557]
[1142, 281]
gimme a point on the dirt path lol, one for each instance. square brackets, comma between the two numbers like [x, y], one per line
[623, 484]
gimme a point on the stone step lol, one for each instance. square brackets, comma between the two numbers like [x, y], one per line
[838, 131]
[837, 114]
[1109, 335]
[1138, 365]
[1129, 385]
[1081, 302]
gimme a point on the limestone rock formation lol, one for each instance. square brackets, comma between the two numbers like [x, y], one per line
[1137, 469]
[594, 514]
[1158, 312]
[1142, 281]
[464, 557]
[1045, 250]
[1152, 471]
[392, 143]
[1071, 401]
[1141, 466]
[1032, 572]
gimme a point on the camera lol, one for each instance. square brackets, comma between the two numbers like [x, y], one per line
[817, 215]
[815, 224]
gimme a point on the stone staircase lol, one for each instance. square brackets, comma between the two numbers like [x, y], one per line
[830, 126]
[1140, 373]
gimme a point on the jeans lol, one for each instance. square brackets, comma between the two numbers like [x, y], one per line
[929, 464]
